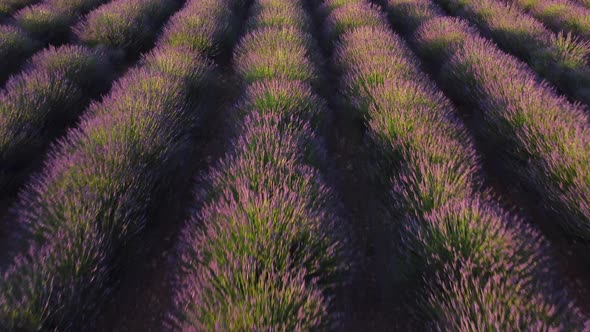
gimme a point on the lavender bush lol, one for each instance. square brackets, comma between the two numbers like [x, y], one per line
[36, 104]
[8, 7]
[265, 246]
[264, 193]
[443, 225]
[269, 53]
[15, 45]
[516, 90]
[75, 8]
[560, 58]
[350, 16]
[97, 190]
[50, 21]
[559, 15]
[270, 13]
[125, 25]
[39, 104]
[265, 251]
[408, 15]
[208, 32]
[100, 179]
[544, 139]
[44, 23]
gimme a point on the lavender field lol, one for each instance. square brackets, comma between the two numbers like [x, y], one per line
[294, 165]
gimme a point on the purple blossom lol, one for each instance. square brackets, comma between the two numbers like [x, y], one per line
[15, 46]
[126, 25]
[558, 57]
[560, 15]
[38, 103]
[98, 188]
[8, 7]
[266, 249]
[446, 226]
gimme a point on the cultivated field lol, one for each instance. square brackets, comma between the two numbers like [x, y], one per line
[294, 165]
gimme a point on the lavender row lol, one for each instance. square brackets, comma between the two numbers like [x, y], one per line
[127, 26]
[15, 46]
[545, 139]
[559, 58]
[542, 139]
[264, 252]
[481, 268]
[48, 22]
[56, 86]
[37, 104]
[8, 7]
[101, 183]
[560, 15]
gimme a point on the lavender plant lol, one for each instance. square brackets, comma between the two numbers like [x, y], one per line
[266, 194]
[559, 58]
[50, 21]
[205, 32]
[444, 226]
[542, 137]
[40, 103]
[559, 15]
[44, 23]
[36, 104]
[125, 25]
[15, 45]
[74, 8]
[8, 7]
[275, 53]
[408, 15]
[270, 13]
[265, 251]
[98, 187]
